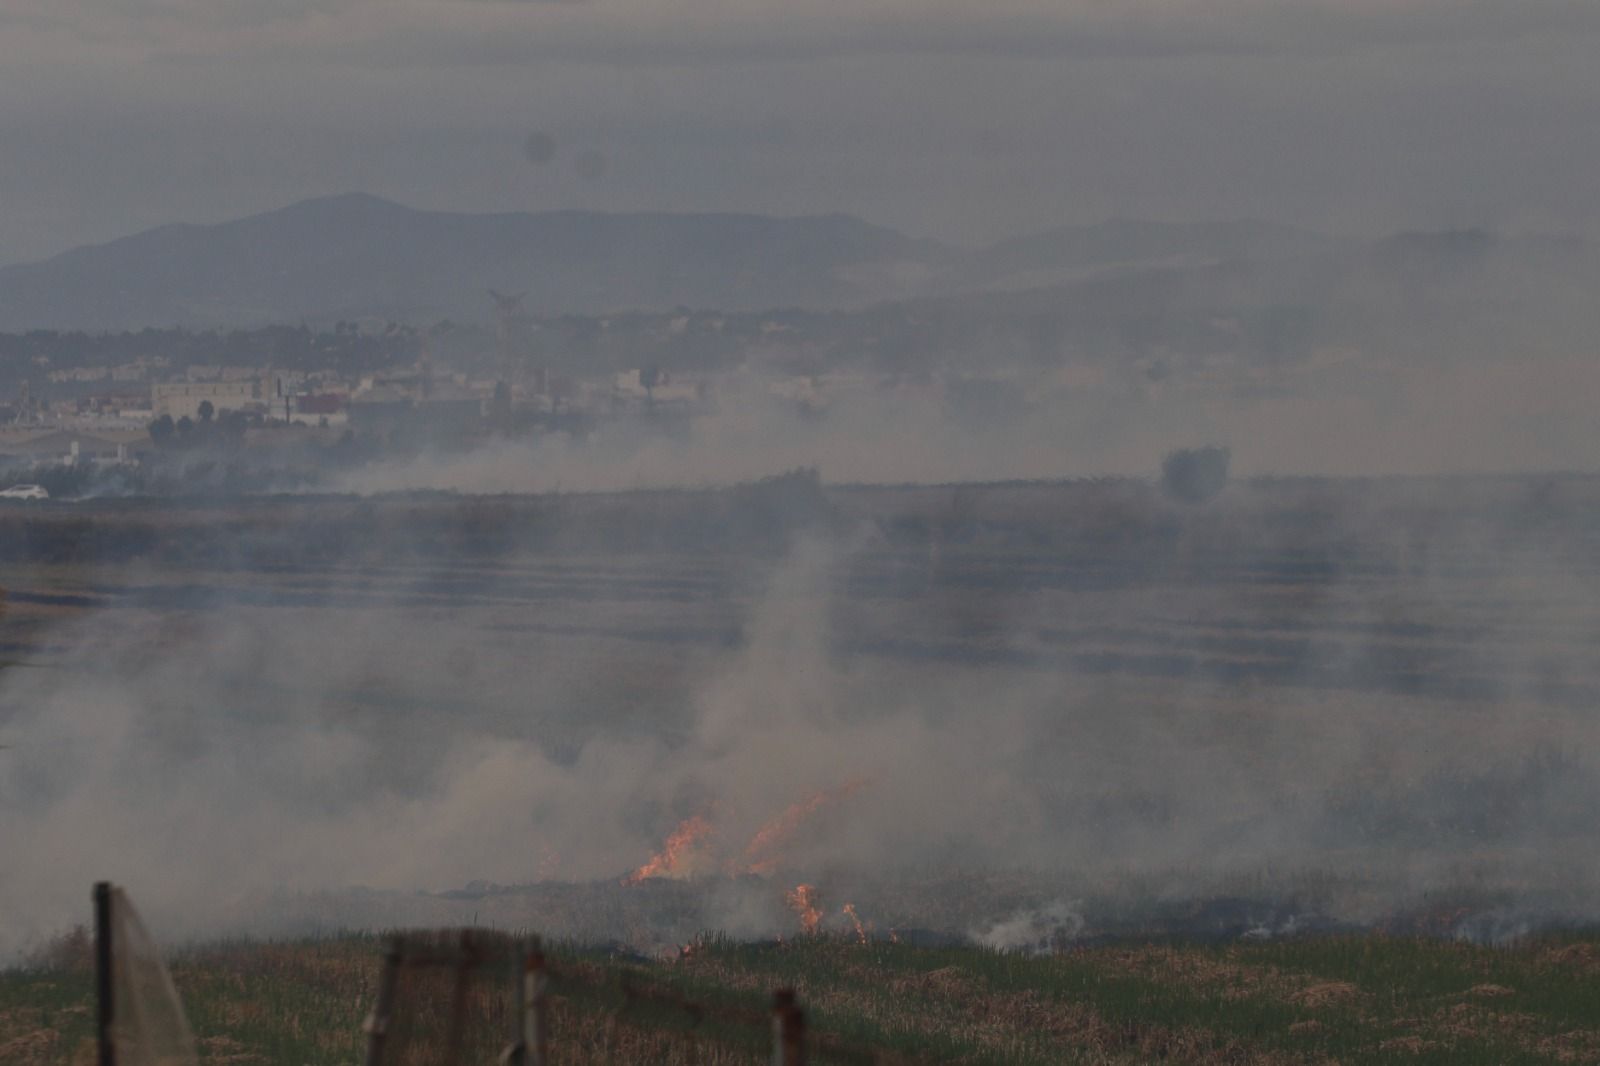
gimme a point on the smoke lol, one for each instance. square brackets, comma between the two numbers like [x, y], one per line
[1035, 930]
[1158, 721]
[1335, 414]
[209, 759]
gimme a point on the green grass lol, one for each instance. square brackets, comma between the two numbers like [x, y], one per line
[1353, 999]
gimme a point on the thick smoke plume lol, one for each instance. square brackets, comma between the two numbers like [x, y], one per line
[228, 749]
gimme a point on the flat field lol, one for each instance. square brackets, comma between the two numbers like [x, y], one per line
[1350, 1000]
[1029, 709]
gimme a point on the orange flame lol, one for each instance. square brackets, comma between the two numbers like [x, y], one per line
[674, 858]
[764, 852]
[802, 899]
[861, 930]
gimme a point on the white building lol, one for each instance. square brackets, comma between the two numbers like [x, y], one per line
[182, 399]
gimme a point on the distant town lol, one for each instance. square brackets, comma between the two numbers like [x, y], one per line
[272, 407]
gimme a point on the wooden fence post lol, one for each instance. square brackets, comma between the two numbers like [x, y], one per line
[377, 1024]
[535, 1008]
[104, 987]
[788, 1029]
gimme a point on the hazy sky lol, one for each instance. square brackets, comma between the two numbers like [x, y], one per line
[963, 119]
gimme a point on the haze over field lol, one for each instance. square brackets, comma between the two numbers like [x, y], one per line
[1076, 352]
[1332, 419]
[1339, 702]
[1029, 470]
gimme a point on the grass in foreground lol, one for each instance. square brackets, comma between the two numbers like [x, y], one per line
[1350, 1000]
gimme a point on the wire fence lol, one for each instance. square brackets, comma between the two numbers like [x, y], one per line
[470, 998]
[140, 1018]
[479, 998]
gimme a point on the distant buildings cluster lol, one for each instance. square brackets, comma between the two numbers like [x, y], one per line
[401, 387]
[121, 413]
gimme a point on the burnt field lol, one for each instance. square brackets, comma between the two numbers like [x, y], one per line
[1029, 709]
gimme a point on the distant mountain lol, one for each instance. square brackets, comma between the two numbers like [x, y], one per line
[360, 256]
[1076, 253]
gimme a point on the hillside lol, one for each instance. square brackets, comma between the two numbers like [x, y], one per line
[1113, 290]
[360, 256]
[1074, 253]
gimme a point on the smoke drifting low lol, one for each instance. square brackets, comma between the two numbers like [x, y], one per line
[1336, 414]
[1395, 705]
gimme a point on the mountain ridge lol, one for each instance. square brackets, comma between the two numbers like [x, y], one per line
[360, 256]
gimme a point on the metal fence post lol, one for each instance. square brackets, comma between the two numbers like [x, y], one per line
[788, 1029]
[377, 1023]
[105, 1016]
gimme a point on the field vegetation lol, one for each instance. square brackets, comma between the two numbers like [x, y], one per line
[1351, 999]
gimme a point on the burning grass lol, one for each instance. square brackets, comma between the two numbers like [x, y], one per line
[1349, 999]
[675, 859]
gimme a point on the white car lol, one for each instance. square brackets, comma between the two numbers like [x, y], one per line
[24, 492]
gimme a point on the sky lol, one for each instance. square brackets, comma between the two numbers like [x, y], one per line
[957, 119]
